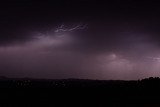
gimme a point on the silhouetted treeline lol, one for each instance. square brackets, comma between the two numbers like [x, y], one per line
[28, 92]
[78, 83]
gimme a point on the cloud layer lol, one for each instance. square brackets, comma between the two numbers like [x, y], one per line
[72, 55]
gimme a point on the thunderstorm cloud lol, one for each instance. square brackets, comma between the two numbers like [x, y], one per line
[64, 40]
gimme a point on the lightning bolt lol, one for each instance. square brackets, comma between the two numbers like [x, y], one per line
[62, 29]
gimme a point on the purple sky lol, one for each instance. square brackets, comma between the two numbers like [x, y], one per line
[91, 40]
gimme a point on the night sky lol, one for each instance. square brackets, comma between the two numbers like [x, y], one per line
[87, 39]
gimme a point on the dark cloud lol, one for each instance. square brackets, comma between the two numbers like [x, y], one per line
[120, 41]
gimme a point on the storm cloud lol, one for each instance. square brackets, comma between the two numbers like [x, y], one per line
[63, 40]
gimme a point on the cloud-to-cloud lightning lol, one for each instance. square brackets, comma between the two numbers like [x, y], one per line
[62, 28]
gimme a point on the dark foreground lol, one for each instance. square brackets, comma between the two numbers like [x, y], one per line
[79, 93]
